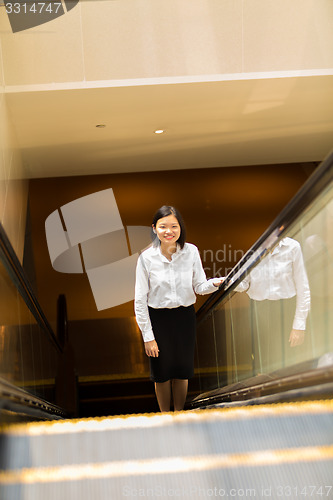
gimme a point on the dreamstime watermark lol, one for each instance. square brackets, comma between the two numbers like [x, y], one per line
[224, 254]
[87, 236]
[262, 491]
[213, 260]
[27, 14]
[188, 492]
[277, 262]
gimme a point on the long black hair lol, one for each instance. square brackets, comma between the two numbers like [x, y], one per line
[168, 210]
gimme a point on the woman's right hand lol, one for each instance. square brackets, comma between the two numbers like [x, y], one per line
[151, 348]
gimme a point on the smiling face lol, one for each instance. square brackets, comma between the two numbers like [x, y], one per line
[168, 230]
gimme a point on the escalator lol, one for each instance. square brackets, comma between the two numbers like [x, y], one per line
[258, 420]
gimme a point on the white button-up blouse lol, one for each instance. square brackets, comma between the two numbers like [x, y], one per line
[161, 283]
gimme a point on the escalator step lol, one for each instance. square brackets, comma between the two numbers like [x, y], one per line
[283, 450]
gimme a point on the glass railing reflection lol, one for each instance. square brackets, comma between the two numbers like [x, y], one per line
[277, 319]
[28, 357]
[279, 293]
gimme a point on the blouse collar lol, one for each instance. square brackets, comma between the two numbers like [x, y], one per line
[175, 254]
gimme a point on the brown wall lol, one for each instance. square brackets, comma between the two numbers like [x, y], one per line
[225, 211]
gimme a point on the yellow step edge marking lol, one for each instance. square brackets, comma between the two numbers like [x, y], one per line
[170, 465]
[150, 420]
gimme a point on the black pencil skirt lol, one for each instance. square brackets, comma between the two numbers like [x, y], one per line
[174, 331]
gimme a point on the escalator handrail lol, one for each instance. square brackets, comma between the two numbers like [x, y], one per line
[314, 185]
[21, 282]
[16, 399]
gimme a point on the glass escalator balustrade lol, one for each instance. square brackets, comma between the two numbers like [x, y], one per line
[277, 321]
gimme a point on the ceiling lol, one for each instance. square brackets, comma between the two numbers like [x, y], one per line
[206, 124]
[232, 83]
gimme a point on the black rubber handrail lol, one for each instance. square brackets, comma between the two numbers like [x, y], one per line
[314, 185]
[17, 400]
[20, 280]
[312, 379]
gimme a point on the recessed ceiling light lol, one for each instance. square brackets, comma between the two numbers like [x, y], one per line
[101, 125]
[159, 131]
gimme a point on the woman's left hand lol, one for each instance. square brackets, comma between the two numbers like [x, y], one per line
[219, 283]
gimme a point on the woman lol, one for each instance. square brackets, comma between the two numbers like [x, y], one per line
[168, 275]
